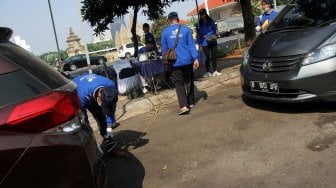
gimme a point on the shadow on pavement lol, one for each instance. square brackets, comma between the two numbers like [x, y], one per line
[126, 171]
[200, 95]
[291, 108]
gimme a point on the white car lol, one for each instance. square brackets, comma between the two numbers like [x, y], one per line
[127, 50]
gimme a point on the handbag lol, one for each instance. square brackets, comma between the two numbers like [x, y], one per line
[169, 57]
[211, 39]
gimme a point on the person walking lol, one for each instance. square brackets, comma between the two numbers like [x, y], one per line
[268, 16]
[186, 60]
[207, 40]
[99, 95]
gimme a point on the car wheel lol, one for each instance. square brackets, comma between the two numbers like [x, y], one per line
[73, 67]
[128, 56]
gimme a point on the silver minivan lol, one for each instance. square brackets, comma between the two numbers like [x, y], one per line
[294, 60]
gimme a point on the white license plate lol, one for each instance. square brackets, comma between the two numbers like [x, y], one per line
[267, 87]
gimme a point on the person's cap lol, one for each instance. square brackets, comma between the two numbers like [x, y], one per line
[202, 11]
[173, 15]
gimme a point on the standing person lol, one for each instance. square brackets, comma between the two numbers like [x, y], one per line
[99, 95]
[268, 16]
[206, 30]
[186, 60]
[148, 35]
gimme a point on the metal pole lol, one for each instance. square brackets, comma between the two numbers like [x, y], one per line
[206, 6]
[197, 10]
[83, 35]
[52, 20]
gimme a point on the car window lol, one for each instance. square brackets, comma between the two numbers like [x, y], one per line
[305, 14]
[18, 86]
[33, 65]
[131, 45]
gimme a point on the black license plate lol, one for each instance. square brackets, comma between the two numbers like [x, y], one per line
[267, 87]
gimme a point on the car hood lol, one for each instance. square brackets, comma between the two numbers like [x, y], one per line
[290, 42]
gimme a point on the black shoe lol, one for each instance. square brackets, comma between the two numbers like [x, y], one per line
[108, 145]
[115, 125]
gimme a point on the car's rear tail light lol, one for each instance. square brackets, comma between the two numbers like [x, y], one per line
[40, 114]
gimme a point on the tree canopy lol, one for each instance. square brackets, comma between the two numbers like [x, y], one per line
[101, 13]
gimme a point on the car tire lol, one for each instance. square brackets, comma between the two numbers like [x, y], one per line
[127, 56]
[73, 67]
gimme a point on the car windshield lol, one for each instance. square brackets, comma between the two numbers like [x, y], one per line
[305, 13]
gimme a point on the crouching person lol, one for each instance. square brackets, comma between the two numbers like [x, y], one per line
[99, 95]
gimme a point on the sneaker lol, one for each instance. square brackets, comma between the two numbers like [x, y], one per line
[191, 106]
[216, 73]
[144, 90]
[108, 145]
[207, 74]
[183, 111]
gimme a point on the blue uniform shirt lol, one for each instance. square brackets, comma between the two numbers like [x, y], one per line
[208, 28]
[185, 50]
[86, 85]
[267, 16]
[150, 36]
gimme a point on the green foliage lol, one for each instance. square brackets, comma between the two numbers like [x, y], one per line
[52, 57]
[256, 7]
[101, 13]
[100, 45]
[158, 26]
[235, 46]
[220, 52]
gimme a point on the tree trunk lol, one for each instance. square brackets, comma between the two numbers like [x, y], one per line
[249, 29]
[133, 30]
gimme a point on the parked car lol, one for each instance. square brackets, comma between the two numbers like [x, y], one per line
[44, 140]
[79, 61]
[294, 59]
[127, 50]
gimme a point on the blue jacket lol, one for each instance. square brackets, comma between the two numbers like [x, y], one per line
[186, 51]
[208, 28]
[150, 36]
[86, 85]
[267, 16]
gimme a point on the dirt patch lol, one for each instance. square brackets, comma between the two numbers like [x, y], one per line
[326, 119]
[321, 143]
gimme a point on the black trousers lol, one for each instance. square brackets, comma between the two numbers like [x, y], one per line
[98, 115]
[210, 54]
[183, 79]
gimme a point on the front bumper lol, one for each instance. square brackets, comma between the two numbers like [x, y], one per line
[312, 82]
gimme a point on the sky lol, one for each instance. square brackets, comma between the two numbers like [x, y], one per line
[31, 21]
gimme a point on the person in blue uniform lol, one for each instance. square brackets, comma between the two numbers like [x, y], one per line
[206, 28]
[268, 16]
[148, 35]
[182, 72]
[99, 95]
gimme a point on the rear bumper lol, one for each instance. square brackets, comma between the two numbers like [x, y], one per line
[312, 82]
[63, 160]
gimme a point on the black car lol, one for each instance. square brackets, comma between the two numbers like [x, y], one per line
[79, 61]
[45, 141]
[294, 60]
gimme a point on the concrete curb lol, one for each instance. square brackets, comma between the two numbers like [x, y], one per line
[130, 108]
